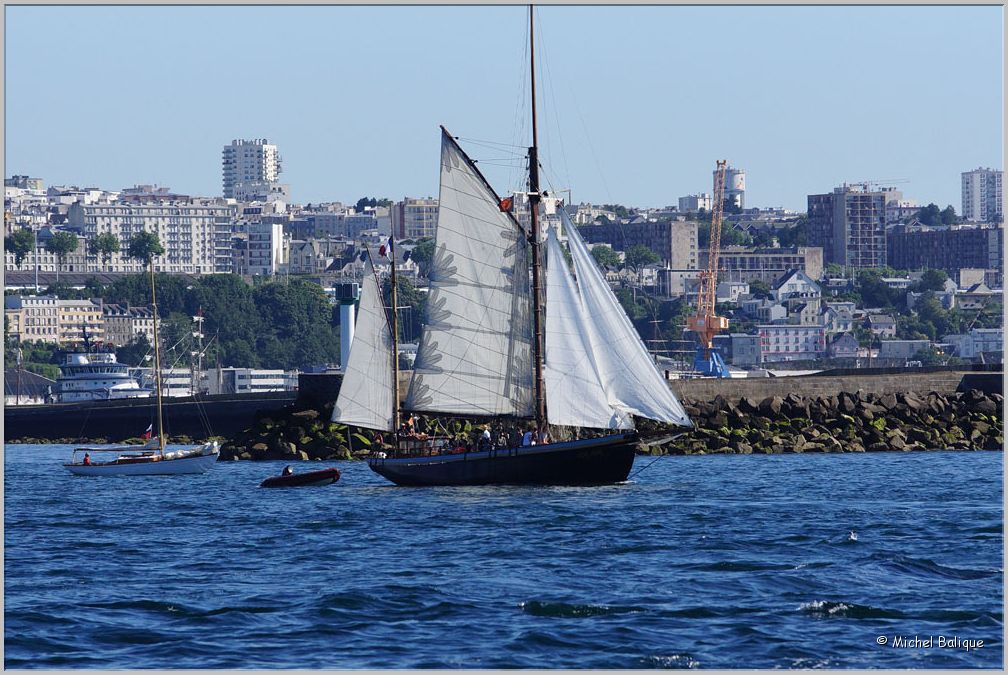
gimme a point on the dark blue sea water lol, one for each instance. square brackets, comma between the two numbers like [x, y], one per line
[703, 561]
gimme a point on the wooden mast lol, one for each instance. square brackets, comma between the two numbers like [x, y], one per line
[534, 198]
[395, 342]
[157, 363]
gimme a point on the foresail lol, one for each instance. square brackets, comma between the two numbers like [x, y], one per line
[624, 365]
[575, 396]
[367, 394]
[475, 353]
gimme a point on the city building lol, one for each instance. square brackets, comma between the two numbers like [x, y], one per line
[849, 224]
[978, 341]
[124, 323]
[843, 346]
[747, 264]
[195, 232]
[675, 242]
[261, 251]
[414, 218]
[901, 350]
[32, 318]
[982, 196]
[77, 317]
[247, 162]
[693, 203]
[949, 248]
[739, 349]
[882, 325]
[25, 183]
[248, 380]
[786, 342]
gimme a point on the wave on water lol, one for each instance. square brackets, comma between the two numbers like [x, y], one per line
[922, 567]
[828, 609]
[669, 661]
[565, 610]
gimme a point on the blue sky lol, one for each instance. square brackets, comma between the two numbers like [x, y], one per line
[636, 103]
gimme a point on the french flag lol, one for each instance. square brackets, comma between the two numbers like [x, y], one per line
[147, 434]
[385, 248]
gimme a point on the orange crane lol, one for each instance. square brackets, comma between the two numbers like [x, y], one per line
[705, 323]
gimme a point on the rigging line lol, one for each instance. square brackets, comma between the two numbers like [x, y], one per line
[555, 108]
[479, 141]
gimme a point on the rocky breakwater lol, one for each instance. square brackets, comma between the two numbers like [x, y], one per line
[298, 433]
[846, 422]
[302, 432]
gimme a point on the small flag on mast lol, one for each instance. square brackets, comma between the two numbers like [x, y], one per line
[147, 434]
[506, 204]
[385, 248]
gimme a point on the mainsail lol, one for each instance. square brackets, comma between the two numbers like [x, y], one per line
[475, 353]
[367, 394]
[574, 391]
[622, 362]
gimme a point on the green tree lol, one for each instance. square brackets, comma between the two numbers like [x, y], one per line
[61, 244]
[365, 202]
[730, 235]
[932, 280]
[948, 216]
[145, 246]
[134, 352]
[795, 235]
[423, 255]
[606, 257]
[21, 243]
[103, 246]
[640, 256]
[759, 289]
[620, 210]
[930, 215]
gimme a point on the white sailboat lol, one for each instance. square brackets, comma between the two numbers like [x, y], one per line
[487, 352]
[149, 459]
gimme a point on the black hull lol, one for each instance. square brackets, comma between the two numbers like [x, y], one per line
[591, 461]
[322, 477]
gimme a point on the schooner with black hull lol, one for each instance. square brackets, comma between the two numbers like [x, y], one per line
[490, 349]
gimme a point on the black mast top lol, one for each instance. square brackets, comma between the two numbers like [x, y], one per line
[534, 198]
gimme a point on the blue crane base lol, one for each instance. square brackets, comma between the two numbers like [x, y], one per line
[710, 364]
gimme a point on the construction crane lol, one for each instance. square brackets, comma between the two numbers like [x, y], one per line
[706, 324]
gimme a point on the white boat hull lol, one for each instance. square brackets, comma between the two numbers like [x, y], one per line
[171, 465]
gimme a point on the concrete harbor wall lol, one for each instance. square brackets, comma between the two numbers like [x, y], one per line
[944, 382]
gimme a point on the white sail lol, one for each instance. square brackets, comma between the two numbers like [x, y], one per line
[623, 363]
[475, 354]
[575, 395]
[367, 394]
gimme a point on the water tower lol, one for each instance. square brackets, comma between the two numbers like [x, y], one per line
[734, 187]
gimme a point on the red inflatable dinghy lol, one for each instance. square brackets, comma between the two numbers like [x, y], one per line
[322, 477]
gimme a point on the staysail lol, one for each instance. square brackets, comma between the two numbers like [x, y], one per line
[574, 392]
[367, 394]
[475, 353]
[622, 361]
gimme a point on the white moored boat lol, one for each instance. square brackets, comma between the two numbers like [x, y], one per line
[96, 376]
[149, 459]
[130, 460]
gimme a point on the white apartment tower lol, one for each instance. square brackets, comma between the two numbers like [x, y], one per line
[982, 197]
[252, 162]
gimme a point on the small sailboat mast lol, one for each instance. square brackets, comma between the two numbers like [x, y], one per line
[534, 198]
[157, 363]
[395, 340]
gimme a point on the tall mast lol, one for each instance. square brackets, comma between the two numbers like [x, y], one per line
[395, 341]
[157, 363]
[533, 154]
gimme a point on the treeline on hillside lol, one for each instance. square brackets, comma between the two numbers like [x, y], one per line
[274, 324]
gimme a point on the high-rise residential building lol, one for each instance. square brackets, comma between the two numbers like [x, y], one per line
[734, 187]
[914, 247]
[196, 233]
[849, 225]
[247, 164]
[744, 264]
[414, 218]
[25, 183]
[982, 196]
